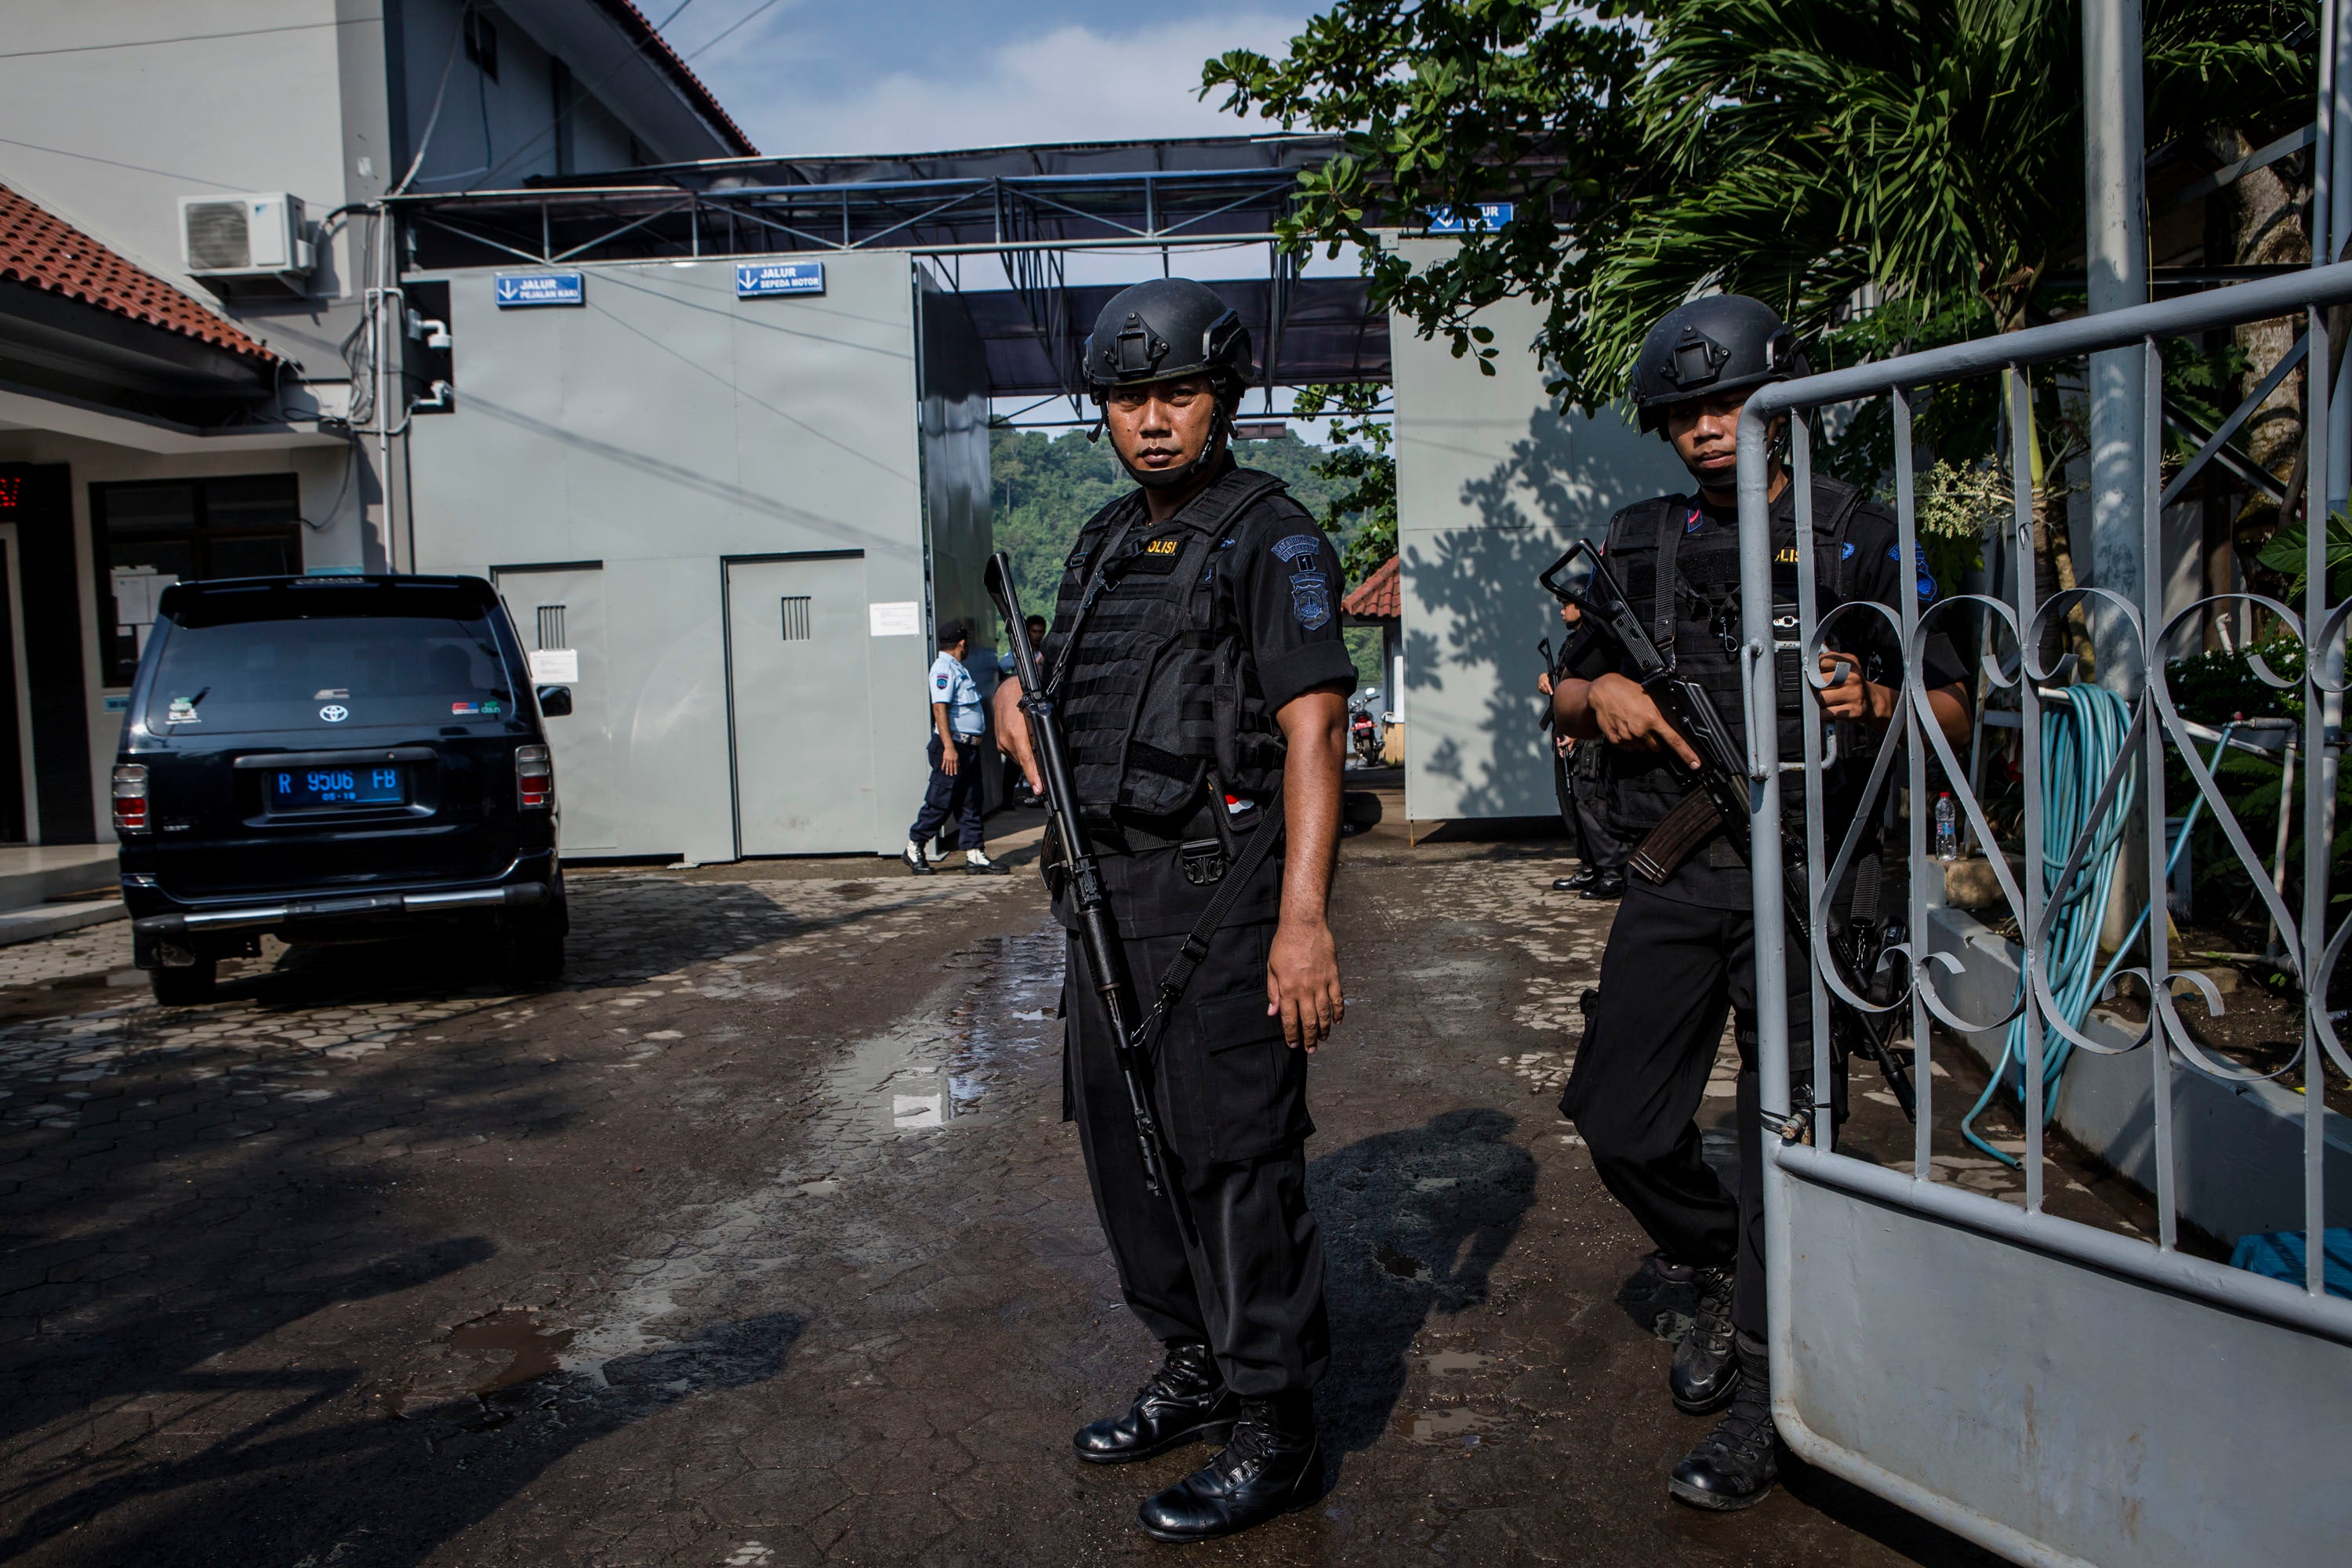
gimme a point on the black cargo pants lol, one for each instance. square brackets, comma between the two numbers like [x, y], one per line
[1246, 1274]
[1668, 975]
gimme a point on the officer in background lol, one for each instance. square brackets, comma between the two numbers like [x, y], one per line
[1196, 661]
[1576, 775]
[958, 722]
[1681, 952]
[1021, 780]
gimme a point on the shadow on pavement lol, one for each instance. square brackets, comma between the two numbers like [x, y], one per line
[390, 1490]
[1413, 1222]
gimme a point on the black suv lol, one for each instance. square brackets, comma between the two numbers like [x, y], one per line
[334, 758]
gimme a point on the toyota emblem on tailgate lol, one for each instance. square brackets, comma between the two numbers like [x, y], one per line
[334, 713]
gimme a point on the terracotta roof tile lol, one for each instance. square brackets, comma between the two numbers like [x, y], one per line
[657, 50]
[40, 248]
[1378, 597]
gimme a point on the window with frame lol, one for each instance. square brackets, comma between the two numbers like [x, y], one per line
[147, 535]
[482, 43]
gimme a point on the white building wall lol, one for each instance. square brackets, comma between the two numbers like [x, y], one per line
[110, 133]
[1492, 483]
[334, 536]
[660, 428]
[495, 134]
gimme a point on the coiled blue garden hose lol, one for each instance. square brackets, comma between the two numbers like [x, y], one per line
[2081, 739]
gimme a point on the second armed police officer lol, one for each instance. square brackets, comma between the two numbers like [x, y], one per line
[1196, 661]
[1683, 950]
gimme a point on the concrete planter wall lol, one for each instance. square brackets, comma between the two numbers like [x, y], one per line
[2238, 1147]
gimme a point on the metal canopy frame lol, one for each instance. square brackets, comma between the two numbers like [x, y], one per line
[1027, 206]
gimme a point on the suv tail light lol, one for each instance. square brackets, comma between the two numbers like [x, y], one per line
[131, 798]
[534, 779]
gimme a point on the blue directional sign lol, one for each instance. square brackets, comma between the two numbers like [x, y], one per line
[541, 289]
[1491, 214]
[758, 279]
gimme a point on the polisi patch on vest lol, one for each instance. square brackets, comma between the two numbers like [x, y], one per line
[1161, 547]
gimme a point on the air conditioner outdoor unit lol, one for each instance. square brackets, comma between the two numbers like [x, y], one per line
[244, 236]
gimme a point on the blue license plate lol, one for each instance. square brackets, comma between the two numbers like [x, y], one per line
[325, 789]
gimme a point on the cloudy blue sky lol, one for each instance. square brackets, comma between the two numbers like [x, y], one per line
[901, 76]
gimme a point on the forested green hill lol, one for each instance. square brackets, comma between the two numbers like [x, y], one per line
[1048, 485]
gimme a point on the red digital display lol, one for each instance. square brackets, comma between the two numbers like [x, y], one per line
[12, 491]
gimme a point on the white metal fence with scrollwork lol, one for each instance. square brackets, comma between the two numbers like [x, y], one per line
[2059, 1391]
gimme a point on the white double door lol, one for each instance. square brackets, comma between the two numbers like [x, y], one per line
[800, 705]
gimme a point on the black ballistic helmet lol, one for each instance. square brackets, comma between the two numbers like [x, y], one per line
[1163, 328]
[1703, 348]
[1158, 330]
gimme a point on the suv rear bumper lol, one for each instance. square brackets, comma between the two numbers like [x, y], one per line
[364, 906]
[168, 931]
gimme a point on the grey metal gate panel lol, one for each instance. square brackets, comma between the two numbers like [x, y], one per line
[797, 637]
[562, 607]
[2059, 1394]
[2079, 1414]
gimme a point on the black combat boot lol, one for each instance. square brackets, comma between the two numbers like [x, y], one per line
[1735, 1465]
[1577, 882]
[1607, 885]
[1274, 1464]
[1706, 1372]
[1186, 1401]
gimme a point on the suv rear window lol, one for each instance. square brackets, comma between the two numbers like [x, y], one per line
[283, 661]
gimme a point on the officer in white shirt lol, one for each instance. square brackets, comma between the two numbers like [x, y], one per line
[958, 722]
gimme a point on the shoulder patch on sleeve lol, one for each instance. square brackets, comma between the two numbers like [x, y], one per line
[1299, 547]
[1310, 599]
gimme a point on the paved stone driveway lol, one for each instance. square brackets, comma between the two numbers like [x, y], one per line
[760, 1241]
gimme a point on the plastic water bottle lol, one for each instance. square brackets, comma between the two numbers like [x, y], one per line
[1947, 827]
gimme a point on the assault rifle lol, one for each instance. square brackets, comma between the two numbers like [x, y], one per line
[1720, 801]
[1079, 866]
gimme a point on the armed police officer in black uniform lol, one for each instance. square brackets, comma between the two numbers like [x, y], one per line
[1196, 661]
[1682, 950]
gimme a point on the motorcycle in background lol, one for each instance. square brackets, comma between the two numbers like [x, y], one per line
[1364, 736]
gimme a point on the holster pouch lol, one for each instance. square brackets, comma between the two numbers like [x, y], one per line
[1677, 834]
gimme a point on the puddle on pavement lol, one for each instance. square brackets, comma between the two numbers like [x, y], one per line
[1448, 1425]
[1007, 1016]
[532, 1350]
[914, 1112]
[1447, 1362]
[921, 1075]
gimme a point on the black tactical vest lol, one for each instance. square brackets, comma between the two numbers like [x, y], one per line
[1695, 619]
[1154, 688]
